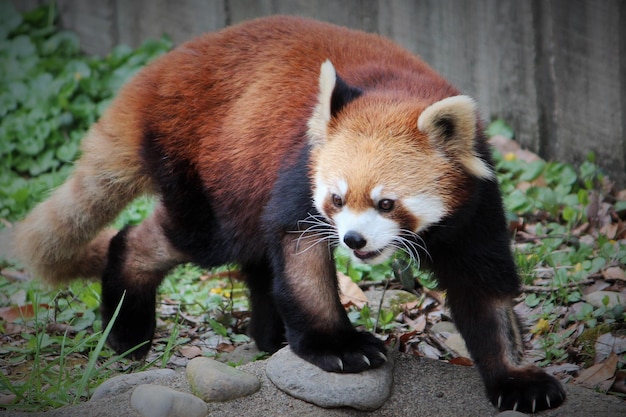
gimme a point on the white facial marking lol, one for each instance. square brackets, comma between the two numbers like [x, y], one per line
[342, 186]
[376, 192]
[428, 209]
[323, 190]
[378, 231]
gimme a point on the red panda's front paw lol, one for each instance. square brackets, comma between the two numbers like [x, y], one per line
[526, 390]
[349, 351]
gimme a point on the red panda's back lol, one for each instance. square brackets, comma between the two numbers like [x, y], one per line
[235, 104]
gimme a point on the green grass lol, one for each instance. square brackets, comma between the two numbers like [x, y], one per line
[566, 218]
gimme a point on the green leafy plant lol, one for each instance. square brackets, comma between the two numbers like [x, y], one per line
[50, 95]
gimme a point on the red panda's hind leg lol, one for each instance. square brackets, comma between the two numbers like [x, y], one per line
[139, 257]
[266, 325]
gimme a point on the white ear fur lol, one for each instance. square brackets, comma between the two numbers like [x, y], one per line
[452, 123]
[321, 114]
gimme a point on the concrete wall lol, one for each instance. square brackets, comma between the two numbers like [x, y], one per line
[554, 69]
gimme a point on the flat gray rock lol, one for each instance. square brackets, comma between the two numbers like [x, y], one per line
[363, 391]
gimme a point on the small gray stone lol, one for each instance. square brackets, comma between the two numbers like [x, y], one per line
[123, 383]
[392, 300]
[214, 381]
[158, 401]
[367, 390]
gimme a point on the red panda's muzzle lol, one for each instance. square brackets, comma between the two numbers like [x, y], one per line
[366, 255]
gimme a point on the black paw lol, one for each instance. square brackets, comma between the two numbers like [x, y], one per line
[125, 336]
[526, 390]
[134, 324]
[349, 351]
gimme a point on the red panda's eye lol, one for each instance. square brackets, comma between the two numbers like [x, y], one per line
[337, 201]
[385, 204]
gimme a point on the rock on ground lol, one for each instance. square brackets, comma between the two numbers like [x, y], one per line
[122, 383]
[214, 381]
[365, 391]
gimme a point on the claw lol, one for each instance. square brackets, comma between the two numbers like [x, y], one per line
[499, 402]
[382, 355]
[548, 401]
[340, 363]
[515, 406]
[534, 405]
[366, 360]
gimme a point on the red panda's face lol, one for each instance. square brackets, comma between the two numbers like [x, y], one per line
[379, 190]
[385, 166]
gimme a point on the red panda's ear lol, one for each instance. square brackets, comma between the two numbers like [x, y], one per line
[333, 95]
[451, 123]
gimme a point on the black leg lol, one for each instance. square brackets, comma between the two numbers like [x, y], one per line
[494, 338]
[472, 260]
[138, 259]
[266, 325]
[135, 322]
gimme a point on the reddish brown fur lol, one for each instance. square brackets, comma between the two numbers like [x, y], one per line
[388, 142]
[194, 99]
[149, 255]
[280, 84]
[61, 238]
[307, 271]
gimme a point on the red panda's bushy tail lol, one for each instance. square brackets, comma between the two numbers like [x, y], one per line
[65, 237]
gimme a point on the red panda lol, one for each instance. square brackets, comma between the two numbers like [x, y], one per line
[268, 144]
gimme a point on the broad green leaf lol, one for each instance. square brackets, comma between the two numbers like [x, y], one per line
[533, 171]
[63, 43]
[517, 201]
[21, 47]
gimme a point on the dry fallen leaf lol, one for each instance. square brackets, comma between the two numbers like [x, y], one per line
[462, 361]
[599, 376]
[350, 293]
[13, 313]
[614, 272]
[191, 352]
[225, 347]
[58, 328]
[607, 343]
[419, 324]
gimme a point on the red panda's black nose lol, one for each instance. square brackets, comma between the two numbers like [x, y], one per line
[354, 240]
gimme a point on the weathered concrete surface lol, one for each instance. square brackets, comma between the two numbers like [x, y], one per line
[554, 69]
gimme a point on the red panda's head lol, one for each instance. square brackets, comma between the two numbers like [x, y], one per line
[386, 166]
